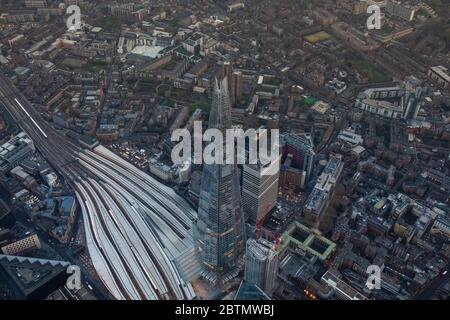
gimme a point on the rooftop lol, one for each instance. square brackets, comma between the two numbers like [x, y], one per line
[298, 235]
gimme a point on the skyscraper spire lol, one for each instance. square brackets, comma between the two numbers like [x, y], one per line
[219, 230]
[220, 117]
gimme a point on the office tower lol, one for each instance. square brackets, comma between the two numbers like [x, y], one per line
[297, 159]
[413, 98]
[261, 264]
[237, 84]
[219, 232]
[259, 191]
[260, 181]
[228, 73]
[234, 79]
[320, 197]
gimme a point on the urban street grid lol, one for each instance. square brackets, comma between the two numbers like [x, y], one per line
[224, 150]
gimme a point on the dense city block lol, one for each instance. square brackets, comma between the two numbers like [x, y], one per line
[353, 202]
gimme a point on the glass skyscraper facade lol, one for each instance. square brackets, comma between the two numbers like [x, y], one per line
[219, 231]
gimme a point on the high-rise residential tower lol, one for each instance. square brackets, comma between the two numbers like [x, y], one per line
[219, 232]
[234, 80]
[298, 153]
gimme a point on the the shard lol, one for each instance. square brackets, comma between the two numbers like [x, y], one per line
[219, 231]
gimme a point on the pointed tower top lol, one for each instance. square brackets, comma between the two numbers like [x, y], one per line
[220, 117]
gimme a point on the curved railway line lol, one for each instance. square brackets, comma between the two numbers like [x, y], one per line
[135, 227]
